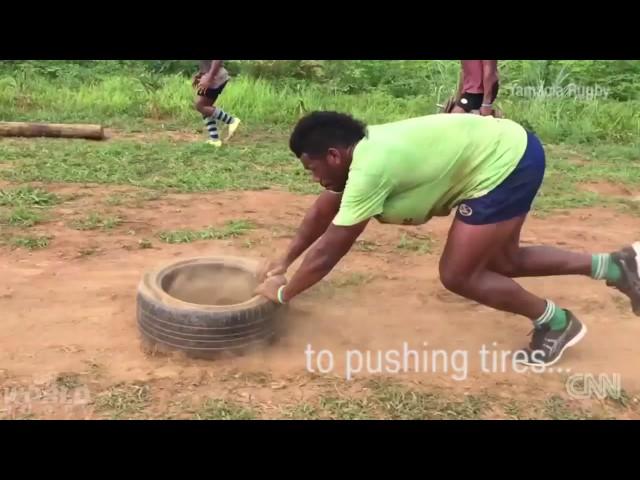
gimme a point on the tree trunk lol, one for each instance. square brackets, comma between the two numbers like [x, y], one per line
[28, 129]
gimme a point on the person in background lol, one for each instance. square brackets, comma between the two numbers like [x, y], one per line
[478, 87]
[209, 83]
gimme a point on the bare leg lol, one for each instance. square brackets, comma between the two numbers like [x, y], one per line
[538, 261]
[465, 268]
[468, 268]
[205, 106]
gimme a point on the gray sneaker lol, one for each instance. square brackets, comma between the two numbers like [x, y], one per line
[629, 261]
[547, 346]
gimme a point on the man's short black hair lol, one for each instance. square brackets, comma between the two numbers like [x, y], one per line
[319, 131]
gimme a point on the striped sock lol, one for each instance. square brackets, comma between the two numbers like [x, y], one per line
[210, 122]
[602, 268]
[554, 316]
[222, 116]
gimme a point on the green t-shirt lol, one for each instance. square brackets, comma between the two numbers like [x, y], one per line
[409, 171]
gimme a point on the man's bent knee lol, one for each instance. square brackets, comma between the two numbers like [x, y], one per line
[506, 266]
[200, 105]
[453, 280]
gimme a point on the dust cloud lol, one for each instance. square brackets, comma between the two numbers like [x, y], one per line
[211, 285]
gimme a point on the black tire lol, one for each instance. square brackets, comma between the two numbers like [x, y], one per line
[169, 324]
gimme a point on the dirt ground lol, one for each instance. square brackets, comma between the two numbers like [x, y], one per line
[69, 309]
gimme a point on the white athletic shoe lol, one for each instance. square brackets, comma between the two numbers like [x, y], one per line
[233, 126]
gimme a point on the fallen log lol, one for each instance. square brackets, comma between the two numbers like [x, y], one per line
[59, 130]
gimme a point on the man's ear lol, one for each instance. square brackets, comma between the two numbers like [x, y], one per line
[333, 157]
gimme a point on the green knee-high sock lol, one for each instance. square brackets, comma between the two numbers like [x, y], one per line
[554, 316]
[604, 268]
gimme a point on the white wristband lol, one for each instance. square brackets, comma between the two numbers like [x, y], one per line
[281, 295]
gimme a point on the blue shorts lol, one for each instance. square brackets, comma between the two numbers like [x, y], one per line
[514, 196]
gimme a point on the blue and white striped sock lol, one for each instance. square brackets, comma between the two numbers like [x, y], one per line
[220, 114]
[212, 127]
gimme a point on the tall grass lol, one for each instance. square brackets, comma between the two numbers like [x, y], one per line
[259, 101]
[399, 77]
[274, 94]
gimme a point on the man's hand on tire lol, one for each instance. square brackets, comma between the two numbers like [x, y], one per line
[272, 268]
[269, 288]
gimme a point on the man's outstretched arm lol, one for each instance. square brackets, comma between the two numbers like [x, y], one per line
[320, 260]
[363, 199]
[314, 224]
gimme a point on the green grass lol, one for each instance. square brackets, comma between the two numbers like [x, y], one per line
[556, 408]
[22, 206]
[30, 242]
[301, 411]
[182, 167]
[27, 196]
[121, 100]
[277, 93]
[123, 401]
[370, 398]
[399, 402]
[400, 77]
[344, 408]
[218, 409]
[22, 217]
[232, 229]
[388, 399]
[94, 221]
[385, 398]
[562, 185]
[513, 410]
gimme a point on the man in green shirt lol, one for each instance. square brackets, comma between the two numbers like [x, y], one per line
[488, 169]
